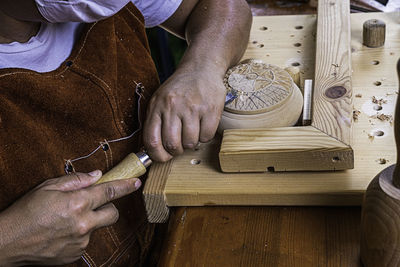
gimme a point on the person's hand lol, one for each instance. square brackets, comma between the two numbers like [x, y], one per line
[184, 111]
[52, 224]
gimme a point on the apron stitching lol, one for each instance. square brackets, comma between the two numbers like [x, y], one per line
[118, 251]
[87, 256]
[112, 237]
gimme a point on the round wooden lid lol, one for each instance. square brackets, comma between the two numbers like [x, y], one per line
[259, 87]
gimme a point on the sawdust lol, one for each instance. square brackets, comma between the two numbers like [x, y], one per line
[384, 117]
[379, 102]
[371, 137]
[356, 113]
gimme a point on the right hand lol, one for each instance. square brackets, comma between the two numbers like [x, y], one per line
[52, 223]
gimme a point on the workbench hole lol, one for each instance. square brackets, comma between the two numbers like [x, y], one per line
[378, 83]
[336, 159]
[297, 44]
[263, 28]
[195, 161]
[260, 46]
[254, 42]
[378, 133]
[375, 62]
[298, 27]
[295, 64]
[382, 161]
[377, 107]
[271, 169]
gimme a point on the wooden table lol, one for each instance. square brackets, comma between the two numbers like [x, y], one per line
[273, 236]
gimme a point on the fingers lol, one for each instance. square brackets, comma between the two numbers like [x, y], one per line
[74, 181]
[171, 135]
[152, 139]
[105, 216]
[208, 127]
[104, 193]
[190, 132]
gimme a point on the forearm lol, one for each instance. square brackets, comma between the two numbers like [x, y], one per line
[8, 252]
[217, 33]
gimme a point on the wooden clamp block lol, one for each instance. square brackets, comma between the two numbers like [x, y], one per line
[325, 145]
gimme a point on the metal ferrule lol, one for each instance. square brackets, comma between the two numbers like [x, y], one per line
[144, 158]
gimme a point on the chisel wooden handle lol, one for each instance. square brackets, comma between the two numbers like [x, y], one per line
[132, 166]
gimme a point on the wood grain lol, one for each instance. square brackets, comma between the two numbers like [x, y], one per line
[282, 149]
[333, 96]
[153, 192]
[262, 236]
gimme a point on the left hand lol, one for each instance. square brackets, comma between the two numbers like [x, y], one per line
[184, 111]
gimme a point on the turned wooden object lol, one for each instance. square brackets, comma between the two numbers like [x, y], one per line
[266, 97]
[374, 33]
[380, 219]
[132, 166]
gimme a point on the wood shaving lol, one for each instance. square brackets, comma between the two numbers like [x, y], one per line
[384, 117]
[371, 137]
[356, 113]
[379, 102]
[358, 95]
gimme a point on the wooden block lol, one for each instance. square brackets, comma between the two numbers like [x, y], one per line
[333, 95]
[282, 149]
[153, 192]
[374, 32]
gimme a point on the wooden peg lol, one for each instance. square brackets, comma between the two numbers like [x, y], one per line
[380, 218]
[374, 33]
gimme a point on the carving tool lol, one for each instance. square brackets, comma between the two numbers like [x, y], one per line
[132, 166]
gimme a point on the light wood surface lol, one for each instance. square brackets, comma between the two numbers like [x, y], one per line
[129, 167]
[333, 95]
[282, 149]
[373, 77]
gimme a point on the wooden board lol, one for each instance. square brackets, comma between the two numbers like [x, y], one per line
[333, 96]
[275, 40]
[283, 149]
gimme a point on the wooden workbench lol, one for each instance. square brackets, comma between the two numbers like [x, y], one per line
[195, 178]
[297, 236]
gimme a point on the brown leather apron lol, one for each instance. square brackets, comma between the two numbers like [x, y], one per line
[48, 118]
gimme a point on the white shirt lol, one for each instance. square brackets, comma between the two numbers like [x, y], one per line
[54, 42]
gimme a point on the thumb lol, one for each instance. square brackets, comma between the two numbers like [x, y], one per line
[78, 180]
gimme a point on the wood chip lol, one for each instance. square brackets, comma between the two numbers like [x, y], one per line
[356, 113]
[371, 137]
[358, 95]
[384, 117]
[379, 102]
